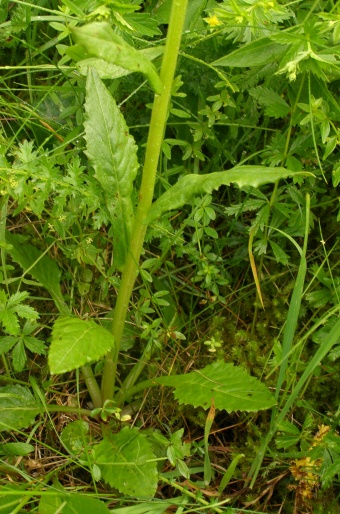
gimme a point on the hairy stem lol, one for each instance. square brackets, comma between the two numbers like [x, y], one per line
[153, 149]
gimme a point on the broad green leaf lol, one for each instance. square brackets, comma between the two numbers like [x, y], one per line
[192, 185]
[113, 154]
[231, 388]
[74, 437]
[76, 342]
[18, 407]
[6, 343]
[14, 449]
[127, 463]
[107, 70]
[99, 40]
[259, 52]
[40, 266]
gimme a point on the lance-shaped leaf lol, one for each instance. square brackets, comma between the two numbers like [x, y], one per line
[230, 386]
[99, 40]
[127, 463]
[192, 185]
[113, 154]
[76, 342]
[257, 53]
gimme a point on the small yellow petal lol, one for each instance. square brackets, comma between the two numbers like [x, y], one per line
[213, 21]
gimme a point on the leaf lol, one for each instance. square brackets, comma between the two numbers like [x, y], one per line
[279, 254]
[107, 70]
[76, 342]
[40, 266]
[99, 40]
[230, 386]
[6, 343]
[127, 463]
[259, 52]
[14, 449]
[18, 407]
[113, 154]
[71, 504]
[274, 104]
[74, 437]
[192, 185]
[19, 356]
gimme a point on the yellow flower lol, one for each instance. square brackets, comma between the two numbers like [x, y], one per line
[213, 21]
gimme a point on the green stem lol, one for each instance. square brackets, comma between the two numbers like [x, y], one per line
[153, 149]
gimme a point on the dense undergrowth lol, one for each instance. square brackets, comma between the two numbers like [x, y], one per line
[238, 276]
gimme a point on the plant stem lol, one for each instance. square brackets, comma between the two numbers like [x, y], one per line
[153, 149]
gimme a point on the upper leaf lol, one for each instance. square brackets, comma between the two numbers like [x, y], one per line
[257, 53]
[76, 342]
[231, 388]
[99, 40]
[192, 185]
[18, 408]
[113, 154]
[127, 463]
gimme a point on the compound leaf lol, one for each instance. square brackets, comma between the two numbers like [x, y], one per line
[113, 154]
[230, 386]
[192, 185]
[18, 407]
[76, 342]
[127, 463]
[100, 41]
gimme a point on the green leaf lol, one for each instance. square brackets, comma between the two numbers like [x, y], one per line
[40, 266]
[99, 40]
[257, 53]
[74, 437]
[230, 386]
[19, 356]
[279, 254]
[113, 154]
[71, 504]
[76, 342]
[127, 463]
[107, 70]
[18, 407]
[192, 185]
[14, 449]
[274, 104]
[6, 343]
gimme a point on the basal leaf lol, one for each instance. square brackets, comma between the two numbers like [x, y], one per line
[18, 407]
[113, 154]
[231, 388]
[13, 449]
[76, 342]
[40, 266]
[99, 40]
[259, 52]
[192, 185]
[127, 463]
